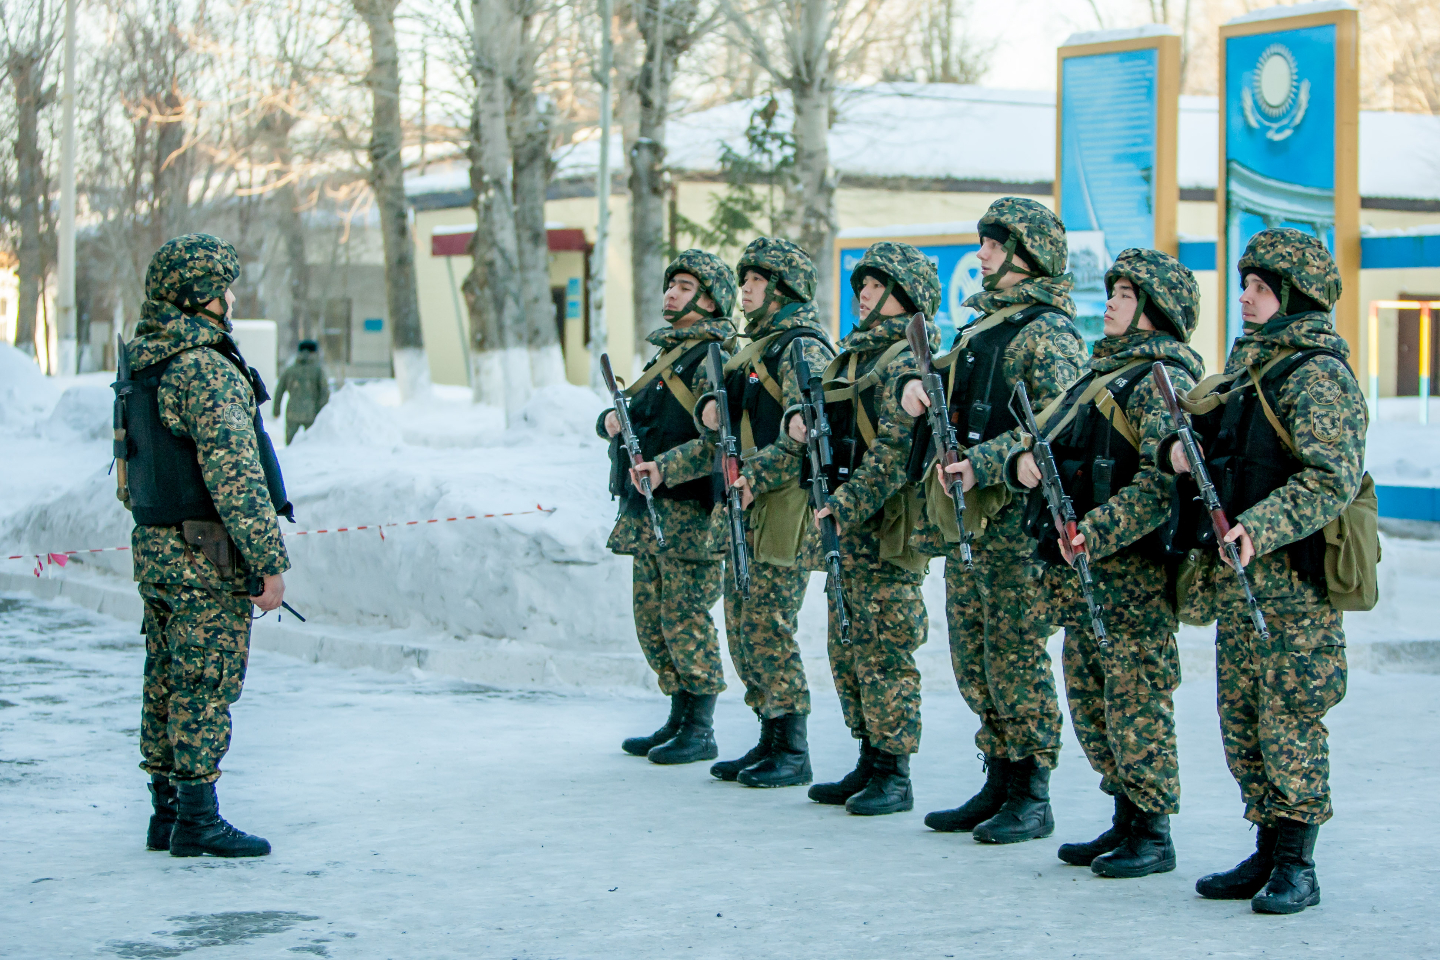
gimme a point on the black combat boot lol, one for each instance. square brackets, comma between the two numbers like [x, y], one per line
[788, 764]
[852, 783]
[162, 796]
[695, 739]
[1293, 885]
[640, 746]
[728, 770]
[1147, 849]
[889, 788]
[982, 806]
[199, 828]
[1025, 814]
[1246, 878]
[1083, 854]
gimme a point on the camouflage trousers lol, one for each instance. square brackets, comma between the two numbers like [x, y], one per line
[672, 599]
[197, 645]
[1122, 695]
[293, 427]
[997, 648]
[761, 635]
[875, 673]
[1274, 695]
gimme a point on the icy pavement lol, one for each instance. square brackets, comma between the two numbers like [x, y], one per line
[414, 817]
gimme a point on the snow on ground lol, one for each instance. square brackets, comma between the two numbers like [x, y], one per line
[414, 816]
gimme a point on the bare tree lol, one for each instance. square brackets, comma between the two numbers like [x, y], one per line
[1404, 37]
[31, 33]
[387, 181]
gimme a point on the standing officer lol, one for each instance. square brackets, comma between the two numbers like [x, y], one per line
[1103, 433]
[308, 387]
[777, 295]
[997, 643]
[204, 488]
[877, 510]
[1286, 445]
[675, 587]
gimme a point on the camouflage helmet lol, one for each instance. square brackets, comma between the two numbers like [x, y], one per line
[904, 267]
[1162, 282]
[715, 278]
[782, 261]
[1039, 234]
[1300, 260]
[191, 270]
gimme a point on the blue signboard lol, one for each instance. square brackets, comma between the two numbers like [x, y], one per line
[1108, 123]
[1279, 142]
[959, 271]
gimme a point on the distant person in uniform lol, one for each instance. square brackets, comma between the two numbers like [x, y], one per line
[309, 391]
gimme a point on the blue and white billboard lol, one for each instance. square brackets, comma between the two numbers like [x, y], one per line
[1109, 104]
[959, 270]
[1279, 142]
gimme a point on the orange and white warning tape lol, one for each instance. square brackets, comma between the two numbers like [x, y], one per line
[62, 557]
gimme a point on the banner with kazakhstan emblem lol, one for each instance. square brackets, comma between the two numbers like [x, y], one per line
[1288, 131]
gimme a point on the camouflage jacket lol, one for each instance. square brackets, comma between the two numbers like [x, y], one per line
[1322, 407]
[1048, 354]
[204, 397]
[309, 390]
[1144, 503]
[779, 463]
[692, 532]
[883, 469]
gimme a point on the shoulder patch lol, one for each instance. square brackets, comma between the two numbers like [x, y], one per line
[234, 416]
[1325, 424]
[1323, 391]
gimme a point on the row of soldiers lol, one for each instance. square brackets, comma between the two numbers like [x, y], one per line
[1282, 428]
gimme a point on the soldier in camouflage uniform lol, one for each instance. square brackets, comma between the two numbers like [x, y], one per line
[191, 399]
[1280, 491]
[1103, 434]
[675, 587]
[878, 510]
[777, 294]
[308, 387]
[997, 642]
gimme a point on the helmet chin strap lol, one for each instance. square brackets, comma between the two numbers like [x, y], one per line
[1140, 300]
[693, 306]
[1285, 287]
[874, 314]
[770, 297]
[993, 280]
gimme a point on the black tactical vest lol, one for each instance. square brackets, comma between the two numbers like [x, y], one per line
[748, 395]
[847, 443]
[661, 423]
[1249, 461]
[1096, 461]
[980, 399]
[164, 478]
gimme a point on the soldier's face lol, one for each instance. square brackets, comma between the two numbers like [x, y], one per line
[752, 291]
[1258, 303]
[1120, 309]
[871, 290]
[680, 292]
[992, 256]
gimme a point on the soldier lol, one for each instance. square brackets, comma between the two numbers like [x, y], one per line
[777, 295]
[1103, 433]
[1288, 372]
[202, 484]
[997, 643]
[877, 510]
[308, 387]
[675, 588]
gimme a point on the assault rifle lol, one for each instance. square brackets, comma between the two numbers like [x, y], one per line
[120, 446]
[727, 464]
[947, 444]
[1211, 500]
[631, 444]
[1062, 511]
[254, 586]
[817, 439]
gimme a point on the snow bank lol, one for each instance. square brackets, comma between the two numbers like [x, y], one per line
[352, 418]
[26, 394]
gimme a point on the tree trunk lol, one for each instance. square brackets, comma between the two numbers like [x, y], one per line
[647, 174]
[27, 74]
[812, 178]
[387, 180]
[530, 143]
[487, 367]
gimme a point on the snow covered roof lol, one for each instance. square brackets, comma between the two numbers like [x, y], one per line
[1294, 10]
[971, 133]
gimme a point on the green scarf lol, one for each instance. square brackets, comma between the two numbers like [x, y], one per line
[1054, 291]
[1112, 353]
[1300, 331]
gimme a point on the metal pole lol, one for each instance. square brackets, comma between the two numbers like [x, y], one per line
[68, 361]
[1425, 340]
[599, 334]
